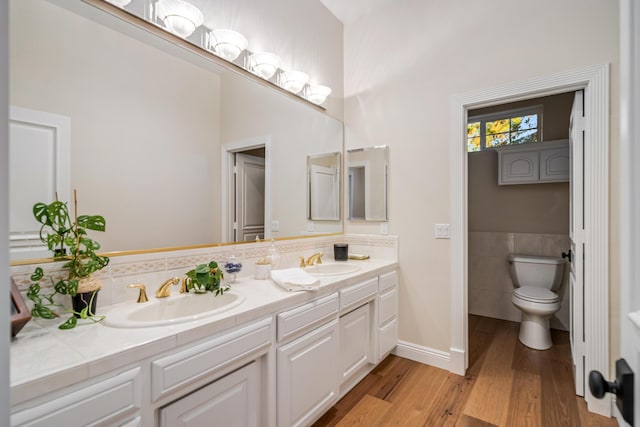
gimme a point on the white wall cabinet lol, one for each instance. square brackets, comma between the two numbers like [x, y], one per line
[535, 163]
[233, 400]
[307, 376]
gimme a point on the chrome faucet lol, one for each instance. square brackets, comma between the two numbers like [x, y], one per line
[313, 259]
[165, 289]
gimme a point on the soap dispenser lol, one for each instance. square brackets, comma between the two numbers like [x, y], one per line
[273, 255]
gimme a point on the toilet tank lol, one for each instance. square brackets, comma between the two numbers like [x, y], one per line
[537, 271]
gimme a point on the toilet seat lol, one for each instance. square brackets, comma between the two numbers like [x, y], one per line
[537, 295]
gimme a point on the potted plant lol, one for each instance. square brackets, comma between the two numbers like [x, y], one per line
[68, 240]
[205, 278]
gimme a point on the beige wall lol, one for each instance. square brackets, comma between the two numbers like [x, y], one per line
[403, 64]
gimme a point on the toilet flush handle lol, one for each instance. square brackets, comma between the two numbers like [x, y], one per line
[567, 255]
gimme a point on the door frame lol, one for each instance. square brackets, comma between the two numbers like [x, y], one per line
[629, 229]
[227, 152]
[595, 81]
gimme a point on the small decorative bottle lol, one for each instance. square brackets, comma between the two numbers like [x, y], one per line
[232, 266]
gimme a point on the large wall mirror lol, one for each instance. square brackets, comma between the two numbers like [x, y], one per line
[149, 132]
[367, 183]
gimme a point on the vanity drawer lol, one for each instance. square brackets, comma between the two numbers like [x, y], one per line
[388, 280]
[101, 403]
[306, 317]
[177, 370]
[355, 295]
[388, 306]
[387, 338]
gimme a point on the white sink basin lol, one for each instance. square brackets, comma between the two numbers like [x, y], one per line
[171, 310]
[331, 269]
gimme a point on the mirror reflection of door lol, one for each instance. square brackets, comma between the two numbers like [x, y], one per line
[324, 193]
[249, 196]
[357, 192]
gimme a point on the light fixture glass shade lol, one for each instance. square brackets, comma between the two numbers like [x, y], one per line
[293, 81]
[119, 3]
[180, 17]
[318, 93]
[264, 64]
[228, 43]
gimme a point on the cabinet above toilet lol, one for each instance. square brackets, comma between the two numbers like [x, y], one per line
[534, 163]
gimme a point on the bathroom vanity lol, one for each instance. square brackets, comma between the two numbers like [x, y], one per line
[277, 359]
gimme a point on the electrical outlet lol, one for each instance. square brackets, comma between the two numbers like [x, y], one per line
[275, 225]
[442, 231]
[384, 228]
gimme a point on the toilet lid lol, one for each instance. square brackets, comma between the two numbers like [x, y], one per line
[533, 294]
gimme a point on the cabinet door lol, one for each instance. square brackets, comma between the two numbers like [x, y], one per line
[307, 376]
[519, 167]
[231, 401]
[554, 165]
[355, 339]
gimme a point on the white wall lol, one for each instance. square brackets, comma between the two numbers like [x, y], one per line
[4, 211]
[144, 125]
[403, 63]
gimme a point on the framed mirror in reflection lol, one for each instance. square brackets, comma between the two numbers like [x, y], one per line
[146, 129]
[323, 181]
[367, 183]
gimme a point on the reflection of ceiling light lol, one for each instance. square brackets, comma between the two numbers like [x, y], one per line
[228, 43]
[180, 17]
[293, 81]
[120, 3]
[264, 64]
[318, 93]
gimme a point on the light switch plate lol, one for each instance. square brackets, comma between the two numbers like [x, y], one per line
[384, 228]
[275, 225]
[442, 231]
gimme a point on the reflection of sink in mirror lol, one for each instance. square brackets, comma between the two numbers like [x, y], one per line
[331, 269]
[175, 309]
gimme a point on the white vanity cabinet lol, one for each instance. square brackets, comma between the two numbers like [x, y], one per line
[110, 400]
[233, 400]
[357, 313]
[534, 163]
[307, 361]
[387, 314]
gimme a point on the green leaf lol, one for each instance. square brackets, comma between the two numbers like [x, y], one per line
[69, 324]
[37, 274]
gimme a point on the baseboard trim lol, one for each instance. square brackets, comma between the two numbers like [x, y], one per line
[428, 356]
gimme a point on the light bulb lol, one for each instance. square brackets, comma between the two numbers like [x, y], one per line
[179, 17]
[264, 64]
[293, 81]
[318, 93]
[228, 43]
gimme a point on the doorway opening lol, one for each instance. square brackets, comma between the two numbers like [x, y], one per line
[594, 80]
[246, 190]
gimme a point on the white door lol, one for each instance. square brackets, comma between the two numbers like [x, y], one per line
[323, 186]
[577, 237]
[249, 195]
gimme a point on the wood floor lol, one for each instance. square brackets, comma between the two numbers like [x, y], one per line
[507, 384]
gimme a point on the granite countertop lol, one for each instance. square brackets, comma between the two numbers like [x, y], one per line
[45, 358]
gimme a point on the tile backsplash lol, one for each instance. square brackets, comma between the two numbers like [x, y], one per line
[152, 269]
[490, 284]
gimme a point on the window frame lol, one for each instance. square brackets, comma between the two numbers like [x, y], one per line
[500, 115]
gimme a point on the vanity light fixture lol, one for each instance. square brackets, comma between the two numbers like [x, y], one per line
[264, 64]
[179, 17]
[119, 3]
[228, 44]
[317, 93]
[293, 81]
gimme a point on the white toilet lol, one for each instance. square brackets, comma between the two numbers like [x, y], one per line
[536, 279]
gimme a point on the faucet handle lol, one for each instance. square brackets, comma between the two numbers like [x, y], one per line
[142, 296]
